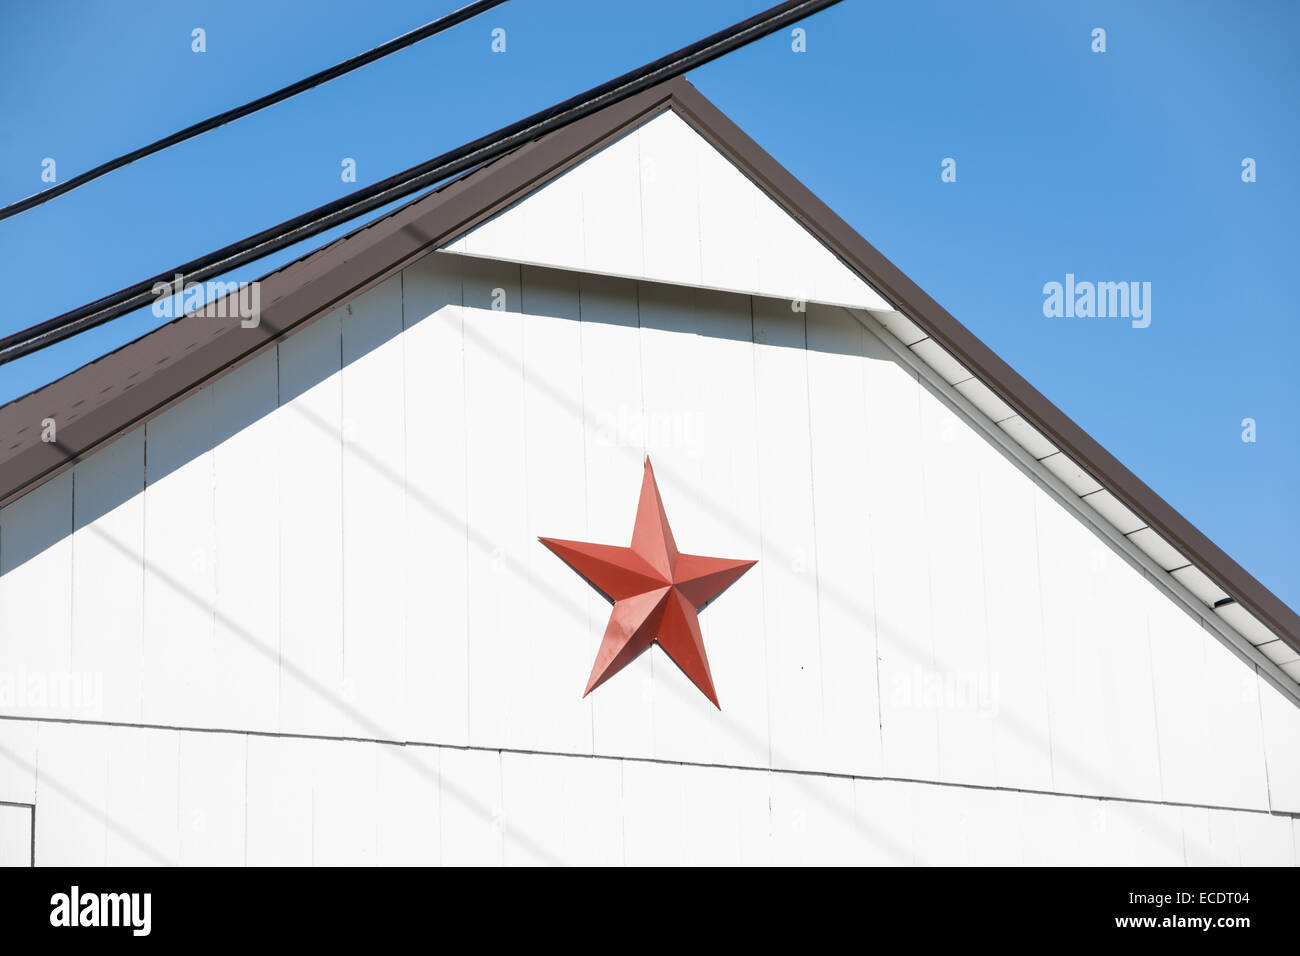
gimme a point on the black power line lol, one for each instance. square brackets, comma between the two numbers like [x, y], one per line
[412, 180]
[270, 99]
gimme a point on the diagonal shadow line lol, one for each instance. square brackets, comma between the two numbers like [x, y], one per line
[579, 613]
[1031, 735]
[736, 730]
[457, 522]
[375, 730]
[72, 796]
[1084, 770]
[571, 607]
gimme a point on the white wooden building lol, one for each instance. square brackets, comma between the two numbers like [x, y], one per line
[275, 595]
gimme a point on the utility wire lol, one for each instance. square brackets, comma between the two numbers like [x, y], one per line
[270, 99]
[395, 187]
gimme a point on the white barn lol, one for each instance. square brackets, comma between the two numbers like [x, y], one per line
[275, 594]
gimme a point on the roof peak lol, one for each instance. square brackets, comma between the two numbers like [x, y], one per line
[102, 400]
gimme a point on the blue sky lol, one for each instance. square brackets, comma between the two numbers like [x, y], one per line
[1122, 166]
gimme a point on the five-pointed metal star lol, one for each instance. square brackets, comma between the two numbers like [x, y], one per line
[656, 591]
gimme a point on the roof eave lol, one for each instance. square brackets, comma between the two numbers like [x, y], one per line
[309, 288]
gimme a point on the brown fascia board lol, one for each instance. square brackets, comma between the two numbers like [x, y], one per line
[907, 297]
[104, 399]
[312, 286]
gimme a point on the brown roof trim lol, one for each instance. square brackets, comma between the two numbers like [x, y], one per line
[102, 400]
[1026, 400]
[183, 356]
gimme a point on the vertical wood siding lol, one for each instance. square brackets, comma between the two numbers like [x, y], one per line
[338, 540]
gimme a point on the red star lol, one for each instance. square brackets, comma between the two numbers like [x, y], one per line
[656, 591]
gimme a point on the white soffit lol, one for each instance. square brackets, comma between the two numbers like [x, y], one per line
[943, 366]
[903, 328]
[984, 398]
[1199, 583]
[1158, 549]
[660, 203]
[1124, 520]
[1075, 478]
[1245, 623]
[1279, 652]
[1027, 437]
[935, 356]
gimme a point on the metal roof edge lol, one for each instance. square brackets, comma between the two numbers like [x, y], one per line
[906, 296]
[184, 355]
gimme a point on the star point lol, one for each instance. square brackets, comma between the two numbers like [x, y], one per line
[657, 592]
